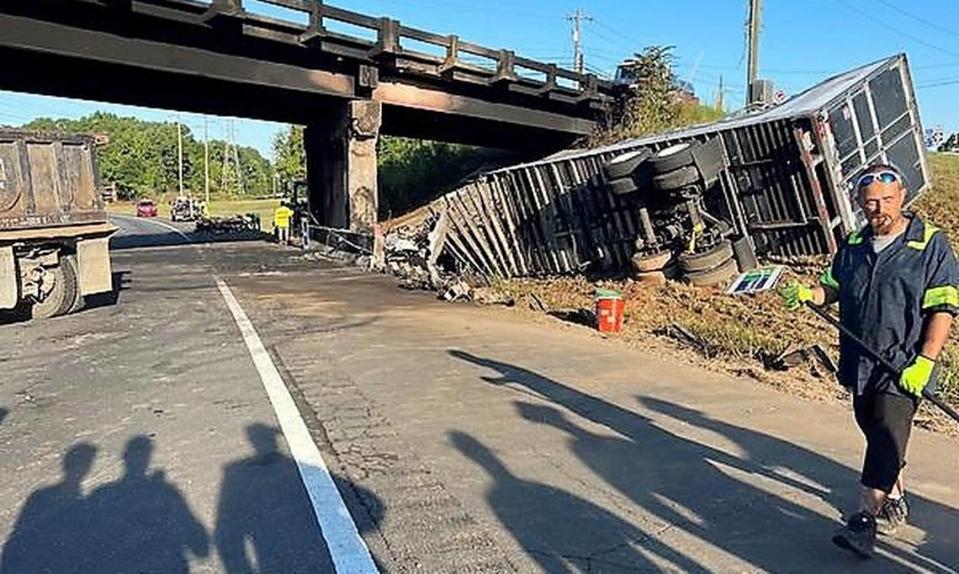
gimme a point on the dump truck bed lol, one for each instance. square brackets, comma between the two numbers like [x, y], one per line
[48, 180]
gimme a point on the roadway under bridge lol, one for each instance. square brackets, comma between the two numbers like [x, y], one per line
[221, 57]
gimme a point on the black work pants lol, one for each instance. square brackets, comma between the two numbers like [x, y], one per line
[886, 421]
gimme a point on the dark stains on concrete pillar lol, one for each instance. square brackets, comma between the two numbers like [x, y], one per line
[341, 165]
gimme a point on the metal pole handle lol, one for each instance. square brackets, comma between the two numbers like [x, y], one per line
[926, 394]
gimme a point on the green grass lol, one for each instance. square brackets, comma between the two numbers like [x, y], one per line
[941, 206]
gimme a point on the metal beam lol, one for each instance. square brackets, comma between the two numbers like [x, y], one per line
[45, 37]
[409, 96]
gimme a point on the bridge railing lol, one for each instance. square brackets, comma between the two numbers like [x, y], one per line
[390, 42]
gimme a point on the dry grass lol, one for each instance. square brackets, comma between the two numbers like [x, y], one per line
[743, 332]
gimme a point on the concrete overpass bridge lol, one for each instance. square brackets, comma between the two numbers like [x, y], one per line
[347, 77]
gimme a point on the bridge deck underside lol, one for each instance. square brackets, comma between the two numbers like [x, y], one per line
[60, 59]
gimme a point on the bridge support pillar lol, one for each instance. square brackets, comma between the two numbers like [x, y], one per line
[341, 165]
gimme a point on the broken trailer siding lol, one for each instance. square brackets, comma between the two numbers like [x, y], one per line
[788, 185]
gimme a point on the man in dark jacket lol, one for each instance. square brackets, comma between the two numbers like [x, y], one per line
[897, 285]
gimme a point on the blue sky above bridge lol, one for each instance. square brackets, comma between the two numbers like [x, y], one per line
[802, 43]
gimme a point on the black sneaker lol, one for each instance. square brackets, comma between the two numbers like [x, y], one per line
[892, 516]
[858, 535]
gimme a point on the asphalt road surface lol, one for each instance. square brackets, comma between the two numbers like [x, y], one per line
[237, 407]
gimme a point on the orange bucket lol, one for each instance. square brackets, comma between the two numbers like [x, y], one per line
[609, 311]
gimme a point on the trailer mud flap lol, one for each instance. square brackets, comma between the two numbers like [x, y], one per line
[9, 280]
[93, 257]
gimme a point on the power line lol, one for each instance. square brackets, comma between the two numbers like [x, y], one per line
[894, 29]
[951, 82]
[919, 19]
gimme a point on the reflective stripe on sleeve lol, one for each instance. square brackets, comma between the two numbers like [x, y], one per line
[937, 296]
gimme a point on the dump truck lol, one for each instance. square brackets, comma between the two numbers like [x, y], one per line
[54, 231]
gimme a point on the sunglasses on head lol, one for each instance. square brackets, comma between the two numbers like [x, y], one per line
[881, 176]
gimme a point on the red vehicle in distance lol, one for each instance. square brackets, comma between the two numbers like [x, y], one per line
[146, 208]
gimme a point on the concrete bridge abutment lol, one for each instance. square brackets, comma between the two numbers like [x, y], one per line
[341, 165]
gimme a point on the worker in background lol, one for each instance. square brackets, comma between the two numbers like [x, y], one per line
[896, 284]
[281, 222]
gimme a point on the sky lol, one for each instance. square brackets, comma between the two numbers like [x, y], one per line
[802, 43]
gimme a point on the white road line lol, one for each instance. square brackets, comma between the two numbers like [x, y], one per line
[347, 548]
[171, 228]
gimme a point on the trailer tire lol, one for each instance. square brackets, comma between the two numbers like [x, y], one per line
[676, 179]
[625, 164]
[656, 262]
[673, 157]
[695, 262]
[715, 276]
[623, 186]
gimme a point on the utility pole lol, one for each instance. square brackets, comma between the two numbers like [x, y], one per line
[753, 25]
[206, 159]
[179, 139]
[577, 18]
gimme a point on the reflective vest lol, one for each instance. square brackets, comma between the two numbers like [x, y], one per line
[281, 216]
[885, 298]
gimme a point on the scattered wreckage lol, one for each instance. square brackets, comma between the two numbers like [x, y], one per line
[701, 203]
[238, 224]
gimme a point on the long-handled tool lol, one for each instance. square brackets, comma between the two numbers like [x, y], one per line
[932, 398]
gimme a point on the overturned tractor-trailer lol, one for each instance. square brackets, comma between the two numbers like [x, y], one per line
[702, 201]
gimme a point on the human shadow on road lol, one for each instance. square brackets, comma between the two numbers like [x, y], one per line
[50, 534]
[717, 497]
[561, 531]
[141, 521]
[264, 518]
[3, 414]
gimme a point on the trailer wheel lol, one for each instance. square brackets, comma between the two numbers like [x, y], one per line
[676, 179]
[672, 158]
[623, 186]
[625, 164]
[715, 276]
[74, 303]
[655, 262]
[693, 262]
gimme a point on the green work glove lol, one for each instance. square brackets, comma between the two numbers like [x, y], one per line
[795, 294]
[916, 376]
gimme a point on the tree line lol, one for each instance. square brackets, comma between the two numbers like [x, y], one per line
[142, 158]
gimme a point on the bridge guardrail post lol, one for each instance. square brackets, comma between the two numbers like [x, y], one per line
[505, 67]
[452, 54]
[387, 38]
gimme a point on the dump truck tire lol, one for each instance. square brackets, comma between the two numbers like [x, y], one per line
[625, 164]
[60, 295]
[71, 304]
[656, 262]
[715, 276]
[672, 158]
[623, 186]
[676, 179]
[693, 262]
